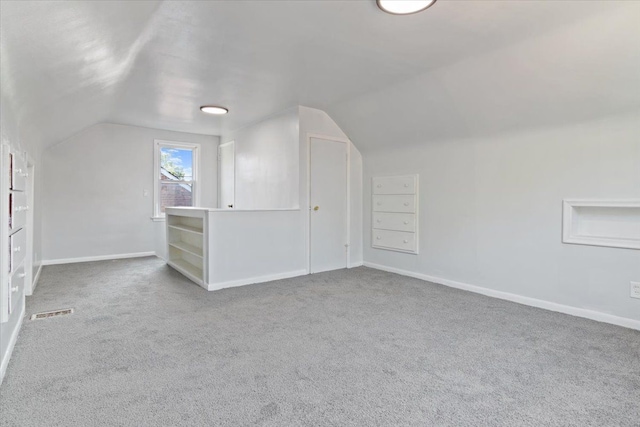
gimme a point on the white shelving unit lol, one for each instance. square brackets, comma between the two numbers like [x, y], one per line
[187, 234]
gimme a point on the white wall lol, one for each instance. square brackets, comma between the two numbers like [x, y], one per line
[490, 211]
[93, 191]
[272, 162]
[267, 168]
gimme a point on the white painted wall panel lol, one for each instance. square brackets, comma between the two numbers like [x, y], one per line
[93, 192]
[267, 168]
[254, 244]
[492, 211]
[271, 167]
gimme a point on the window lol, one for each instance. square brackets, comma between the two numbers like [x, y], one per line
[175, 176]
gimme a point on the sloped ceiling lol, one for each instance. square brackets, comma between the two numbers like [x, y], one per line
[460, 68]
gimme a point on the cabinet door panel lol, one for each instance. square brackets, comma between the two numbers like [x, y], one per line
[18, 173]
[17, 247]
[16, 287]
[17, 211]
[394, 221]
[402, 203]
[395, 240]
[394, 184]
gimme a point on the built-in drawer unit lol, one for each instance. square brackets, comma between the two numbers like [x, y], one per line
[405, 184]
[17, 249]
[18, 173]
[399, 240]
[394, 203]
[13, 234]
[394, 224]
[17, 210]
[394, 221]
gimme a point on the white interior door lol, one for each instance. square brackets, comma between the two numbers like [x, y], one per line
[328, 210]
[226, 175]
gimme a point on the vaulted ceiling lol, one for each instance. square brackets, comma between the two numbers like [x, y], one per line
[458, 69]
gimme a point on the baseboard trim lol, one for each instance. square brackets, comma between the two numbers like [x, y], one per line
[254, 280]
[97, 258]
[355, 264]
[533, 302]
[12, 343]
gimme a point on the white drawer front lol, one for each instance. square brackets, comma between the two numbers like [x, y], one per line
[403, 204]
[394, 221]
[18, 173]
[17, 246]
[397, 240]
[18, 211]
[16, 286]
[394, 184]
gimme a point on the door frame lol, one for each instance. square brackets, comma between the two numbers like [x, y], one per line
[347, 143]
[29, 257]
[233, 143]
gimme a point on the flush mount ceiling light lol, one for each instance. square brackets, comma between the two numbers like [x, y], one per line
[213, 109]
[404, 7]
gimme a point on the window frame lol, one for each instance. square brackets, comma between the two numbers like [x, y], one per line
[158, 144]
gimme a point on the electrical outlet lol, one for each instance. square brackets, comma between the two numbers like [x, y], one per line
[635, 289]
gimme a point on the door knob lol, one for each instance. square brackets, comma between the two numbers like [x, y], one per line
[315, 208]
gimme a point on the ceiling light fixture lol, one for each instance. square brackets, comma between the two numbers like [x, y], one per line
[213, 109]
[404, 7]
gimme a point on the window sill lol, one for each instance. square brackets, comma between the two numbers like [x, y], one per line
[158, 218]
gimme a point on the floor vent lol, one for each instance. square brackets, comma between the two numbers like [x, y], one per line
[55, 313]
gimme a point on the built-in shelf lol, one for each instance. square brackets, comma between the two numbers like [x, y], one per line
[193, 250]
[611, 223]
[186, 228]
[186, 239]
[188, 269]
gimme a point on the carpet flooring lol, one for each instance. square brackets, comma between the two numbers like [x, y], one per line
[360, 347]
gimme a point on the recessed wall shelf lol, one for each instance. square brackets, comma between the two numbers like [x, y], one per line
[611, 223]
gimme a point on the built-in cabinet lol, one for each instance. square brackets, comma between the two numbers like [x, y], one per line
[13, 233]
[221, 248]
[394, 208]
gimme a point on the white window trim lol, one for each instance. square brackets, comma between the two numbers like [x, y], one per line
[157, 145]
